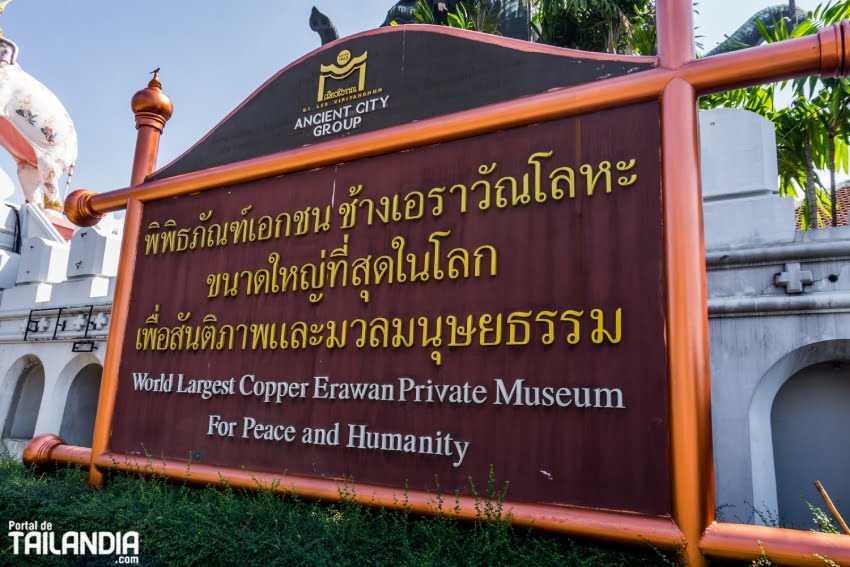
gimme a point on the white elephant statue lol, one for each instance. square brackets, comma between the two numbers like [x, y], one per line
[36, 129]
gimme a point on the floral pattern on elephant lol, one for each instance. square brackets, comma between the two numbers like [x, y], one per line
[26, 112]
[49, 134]
[43, 124]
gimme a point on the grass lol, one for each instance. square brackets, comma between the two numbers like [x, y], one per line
[181, 525]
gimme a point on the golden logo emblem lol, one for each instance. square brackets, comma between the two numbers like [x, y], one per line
[346, 66]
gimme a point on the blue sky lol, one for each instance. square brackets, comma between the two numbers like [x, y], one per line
[94, 54]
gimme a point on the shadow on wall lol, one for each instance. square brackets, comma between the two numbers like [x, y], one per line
[798, 422]
[810, 420]
[81, 406]
[23, 407]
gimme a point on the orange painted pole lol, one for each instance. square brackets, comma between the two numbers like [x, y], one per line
[50, 450]
[687, 318]
[832, 509]
[152, 109]
[741, 542]
[687, 310]
[826, 54]
[674, 21]
[615, 527]
[115, 339]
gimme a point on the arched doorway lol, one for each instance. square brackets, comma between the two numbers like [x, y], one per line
[81, 406]
[26, 401]
[809, 420]
[763, 466]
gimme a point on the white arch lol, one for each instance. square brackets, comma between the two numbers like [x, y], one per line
[763, 466]
[9, 383]
[51, 417]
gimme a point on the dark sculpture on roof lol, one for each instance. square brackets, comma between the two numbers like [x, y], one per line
[440, 10]
[749, 35]
[322, 25]
[402, 12]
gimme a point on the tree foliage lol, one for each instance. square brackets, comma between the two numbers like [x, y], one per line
[613, 26]
[813, 130]
[474, 15]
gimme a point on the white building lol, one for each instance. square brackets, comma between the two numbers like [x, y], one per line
[54, 315]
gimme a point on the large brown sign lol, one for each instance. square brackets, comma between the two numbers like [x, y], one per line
[315, 289]
[418, 318]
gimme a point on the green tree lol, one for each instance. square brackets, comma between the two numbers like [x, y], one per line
[613, 26]
[823, 107]
[595, 25]
[813, 130]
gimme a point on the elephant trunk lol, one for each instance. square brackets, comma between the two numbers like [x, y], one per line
[322, 25]
[749, 34]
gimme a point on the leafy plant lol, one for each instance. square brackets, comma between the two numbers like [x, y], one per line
[475, 15]
[762, 561]
[813, 131]
[423, 12]
[821, 519]
[613, 26]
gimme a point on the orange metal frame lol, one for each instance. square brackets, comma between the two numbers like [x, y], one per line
[677, 81]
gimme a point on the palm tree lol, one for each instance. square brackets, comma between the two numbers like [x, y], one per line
[813, 131]
[834, 115]
[826, 107]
